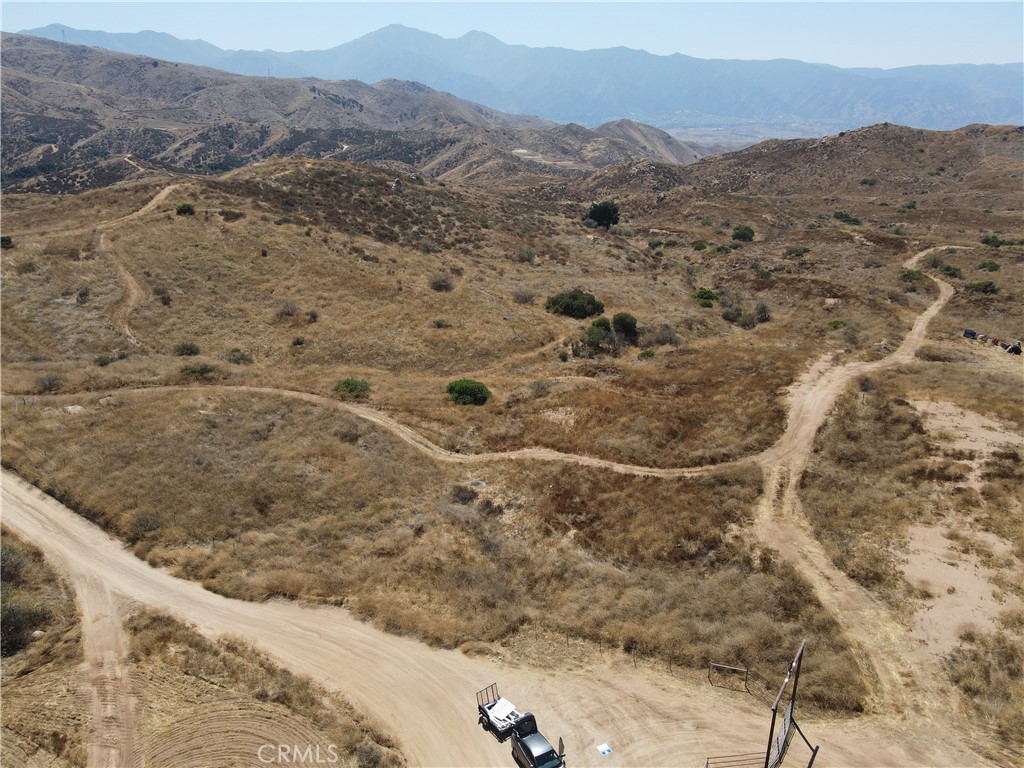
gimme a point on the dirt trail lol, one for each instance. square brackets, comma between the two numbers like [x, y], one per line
[883, 645]
[134, 293]
[425, 696]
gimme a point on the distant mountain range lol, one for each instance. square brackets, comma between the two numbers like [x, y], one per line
[76, 117]
[594, 87]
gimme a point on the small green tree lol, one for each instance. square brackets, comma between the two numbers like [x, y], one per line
[186, 209]
[743, 232]
[468, 392]
[604, 214]
[625, 325]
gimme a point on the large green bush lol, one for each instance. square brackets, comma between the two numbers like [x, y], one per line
[743, 232]
[575, 303]
[604, 214]
[468, 392]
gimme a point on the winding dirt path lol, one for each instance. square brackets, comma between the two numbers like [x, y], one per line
[134, 293]
[424, 695]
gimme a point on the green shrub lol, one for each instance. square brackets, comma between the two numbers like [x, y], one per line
[795, 251]
[624, 325]
[575, 303]
[950, 271]
[835, 325]
[704, 295]
[186, 209]
[441, 323]
[869, 182]
[6, 242]
[356, 389]
[910, 206]
[846, 218]
[187, 349]
[700, 245]
[989, 266]
[743, 232]
[994, 241]
[985, 286]
[598, 334]
[911, 275]
[602, 323]
[604, 214]
[468, 392]
[104, 360]
[238, 357]
[645, 354]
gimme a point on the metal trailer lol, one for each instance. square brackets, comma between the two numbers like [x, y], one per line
[499, 716]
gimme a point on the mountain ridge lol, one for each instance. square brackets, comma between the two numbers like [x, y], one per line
[76, 117]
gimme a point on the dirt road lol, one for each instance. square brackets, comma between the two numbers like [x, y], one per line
[425, 696]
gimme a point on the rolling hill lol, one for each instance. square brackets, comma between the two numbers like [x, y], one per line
[77, 117]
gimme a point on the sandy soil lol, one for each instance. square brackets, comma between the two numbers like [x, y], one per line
[961, 586]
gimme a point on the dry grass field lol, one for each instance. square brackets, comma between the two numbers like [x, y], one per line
[294, 275]
[44, 716]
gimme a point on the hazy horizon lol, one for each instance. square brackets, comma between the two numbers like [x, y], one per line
[885, 35]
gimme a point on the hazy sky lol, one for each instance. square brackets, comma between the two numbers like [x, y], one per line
[847, 34]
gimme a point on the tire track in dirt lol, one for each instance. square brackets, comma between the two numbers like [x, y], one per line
[134, 294]
[882, 644]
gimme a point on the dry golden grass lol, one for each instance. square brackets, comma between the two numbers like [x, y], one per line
[42, 707]
[867, 481]
[258, 496]
[177, 669]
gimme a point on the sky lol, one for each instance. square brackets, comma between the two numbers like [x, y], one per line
[845, 34]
